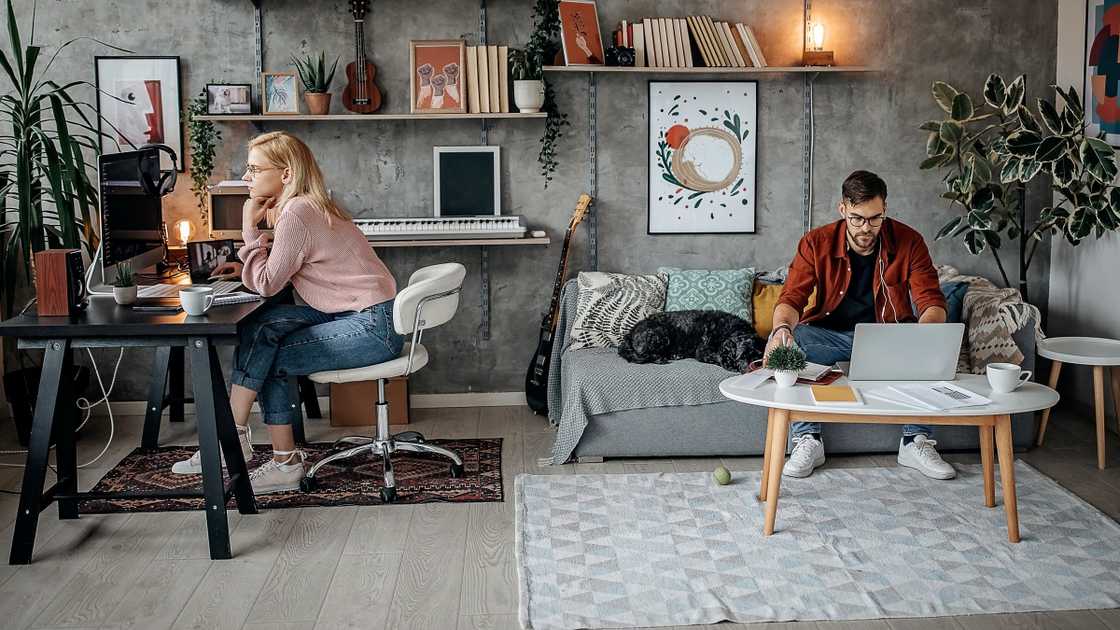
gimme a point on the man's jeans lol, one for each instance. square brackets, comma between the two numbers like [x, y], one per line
[282, 340]
[828, 347]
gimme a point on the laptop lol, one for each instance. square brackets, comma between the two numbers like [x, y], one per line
[905, 352]
[203, 257]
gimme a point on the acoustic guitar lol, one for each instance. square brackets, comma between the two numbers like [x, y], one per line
[536, 381]
[361, 95]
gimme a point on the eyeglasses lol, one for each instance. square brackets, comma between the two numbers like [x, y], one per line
[252, 170]
[857, 221]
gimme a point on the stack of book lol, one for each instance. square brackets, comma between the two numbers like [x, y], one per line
[488, 79]
[692, 42]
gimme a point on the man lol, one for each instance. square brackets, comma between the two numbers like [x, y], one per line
[865, 268]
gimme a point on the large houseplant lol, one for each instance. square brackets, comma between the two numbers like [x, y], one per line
[991, 148]
[542, 48]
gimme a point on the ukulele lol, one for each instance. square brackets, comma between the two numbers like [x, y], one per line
[361, 94]
[536, 381]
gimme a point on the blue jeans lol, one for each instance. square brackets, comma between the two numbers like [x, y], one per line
[828, 347]
[282, 340]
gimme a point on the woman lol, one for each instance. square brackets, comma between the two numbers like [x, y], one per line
[347, 321]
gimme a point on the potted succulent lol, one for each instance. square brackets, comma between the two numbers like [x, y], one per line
[316, 81]
[528, 80]
[786, 362]
[124, 287]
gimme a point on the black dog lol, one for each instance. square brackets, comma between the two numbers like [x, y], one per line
[707, 336]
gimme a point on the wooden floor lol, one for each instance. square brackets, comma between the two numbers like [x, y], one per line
[436, 566]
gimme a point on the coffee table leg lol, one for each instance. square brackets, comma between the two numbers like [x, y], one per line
[766, 454]
[1115, 372]
[1055, 370]
[1098, 409]
[777, 458]
[987, 443]
[1006, 453]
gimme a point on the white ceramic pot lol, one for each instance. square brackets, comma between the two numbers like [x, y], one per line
[528, 96]
[785, 378]
[124, 295]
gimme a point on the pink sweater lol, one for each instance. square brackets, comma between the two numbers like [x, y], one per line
[331, 266]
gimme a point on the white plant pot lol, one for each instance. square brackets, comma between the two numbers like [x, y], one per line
[528, 96]
[124, 295]
[785, 378]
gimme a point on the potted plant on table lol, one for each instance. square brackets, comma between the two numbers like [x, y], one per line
[786, 362]
[124, 287]
[316, 81]
[528, 80]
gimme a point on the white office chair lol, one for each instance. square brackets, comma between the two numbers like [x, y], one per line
[430, 299]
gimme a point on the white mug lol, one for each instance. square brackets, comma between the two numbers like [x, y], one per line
[1006, 377]
[196, 300]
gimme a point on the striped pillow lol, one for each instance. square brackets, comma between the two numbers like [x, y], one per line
[609, 304]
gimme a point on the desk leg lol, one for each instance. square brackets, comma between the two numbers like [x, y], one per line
[177, 389]
[227, 437]
[1098, 411]
[1055, 370]
[309, 397]
[66, 450]
[777, 458]
[213, 486]
[156, 389]
[766, 454]
[294, 399]
[987, 443]
[1006, 453]
[1115, 372]
[55, 360]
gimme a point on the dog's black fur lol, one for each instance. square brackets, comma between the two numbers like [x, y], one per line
[707, 336]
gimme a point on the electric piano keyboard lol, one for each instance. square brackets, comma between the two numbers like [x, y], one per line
[407, 228]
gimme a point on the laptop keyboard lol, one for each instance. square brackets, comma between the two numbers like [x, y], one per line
[221, 287]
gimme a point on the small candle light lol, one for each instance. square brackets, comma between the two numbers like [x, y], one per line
[814, 53]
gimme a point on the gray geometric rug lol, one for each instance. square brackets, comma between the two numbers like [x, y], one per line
[622, 550]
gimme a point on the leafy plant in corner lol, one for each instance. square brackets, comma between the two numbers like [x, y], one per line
[542, 47]
[524, 66]
[786, 359]
[203, 137]
[313, 73]
[993, 148]
[124, 276]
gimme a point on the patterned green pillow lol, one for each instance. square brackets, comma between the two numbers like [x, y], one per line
[727, 290]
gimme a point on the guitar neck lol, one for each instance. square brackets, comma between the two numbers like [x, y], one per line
[359, 58]
[554, 306]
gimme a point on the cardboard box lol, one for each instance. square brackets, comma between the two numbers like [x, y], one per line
[355, 404]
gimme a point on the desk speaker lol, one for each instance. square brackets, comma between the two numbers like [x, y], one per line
[59, 282]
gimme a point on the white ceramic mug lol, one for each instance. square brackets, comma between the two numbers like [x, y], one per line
[1006, 377]
[196, 300]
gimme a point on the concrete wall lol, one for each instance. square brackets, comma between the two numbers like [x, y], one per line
[1083, 296]
[384, 169]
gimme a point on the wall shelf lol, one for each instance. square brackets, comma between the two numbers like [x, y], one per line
[264, 118]
[705, 70]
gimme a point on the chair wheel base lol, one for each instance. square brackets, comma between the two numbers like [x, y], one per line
[388, 495]
[410, 436]
[308, 484]
[457, 471]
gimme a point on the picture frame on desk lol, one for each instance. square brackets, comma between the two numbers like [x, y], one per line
[279, 93]
[229, 98]
[138, 103]
[436, 76]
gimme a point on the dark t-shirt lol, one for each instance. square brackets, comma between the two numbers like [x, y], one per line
[858, 305]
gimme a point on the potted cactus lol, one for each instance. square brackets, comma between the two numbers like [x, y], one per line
[124, 287]
[316, 81]
[786, 362]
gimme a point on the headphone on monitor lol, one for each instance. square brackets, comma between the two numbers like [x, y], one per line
[163, 183]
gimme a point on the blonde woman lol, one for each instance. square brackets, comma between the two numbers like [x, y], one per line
[347, 321]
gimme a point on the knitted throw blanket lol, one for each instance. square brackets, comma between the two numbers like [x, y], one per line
[992, 315]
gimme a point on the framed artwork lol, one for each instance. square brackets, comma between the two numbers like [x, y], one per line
[1101, 93]
[138, 103]
[702, 142]
[279, 93]
[436, 76]
[229, 98]
[579, 33]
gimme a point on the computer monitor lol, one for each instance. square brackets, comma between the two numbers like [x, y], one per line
[131, 218]
[467, 181]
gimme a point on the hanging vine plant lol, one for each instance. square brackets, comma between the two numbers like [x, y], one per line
[543, 45]
[204, 139]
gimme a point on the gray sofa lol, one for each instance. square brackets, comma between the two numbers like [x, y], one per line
[676, 410]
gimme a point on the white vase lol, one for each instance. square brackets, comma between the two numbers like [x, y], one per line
[528, 96]
[124, 295]
[785, 378]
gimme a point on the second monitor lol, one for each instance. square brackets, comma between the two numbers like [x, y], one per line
[467, 181]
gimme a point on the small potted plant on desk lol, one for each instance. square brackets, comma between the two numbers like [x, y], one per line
[786, 362]
[124, 288]
[316, 81]
[528, 80]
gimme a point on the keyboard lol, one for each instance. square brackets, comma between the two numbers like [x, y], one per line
[220, 287]
[405, 228]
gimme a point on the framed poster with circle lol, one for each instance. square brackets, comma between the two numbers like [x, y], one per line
[138, 103]
[436, 76]
[702, 157]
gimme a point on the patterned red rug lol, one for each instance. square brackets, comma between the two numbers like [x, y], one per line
[421, 478]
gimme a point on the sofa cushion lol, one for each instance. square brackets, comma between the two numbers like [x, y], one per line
[765, 299]
[726, 290]
[609, 304]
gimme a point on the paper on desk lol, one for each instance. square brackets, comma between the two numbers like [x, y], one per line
[751, 380]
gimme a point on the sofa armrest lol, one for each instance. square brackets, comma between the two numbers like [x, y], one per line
[564, 319]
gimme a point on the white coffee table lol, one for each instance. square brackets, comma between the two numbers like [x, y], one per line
[1094, 351]
[994, 422]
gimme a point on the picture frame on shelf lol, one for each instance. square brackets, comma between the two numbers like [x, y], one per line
[229, 98]
[1102, 112]
[279, 93]
[580, 35]
[138, 103]
[702, 147]
[436, 76]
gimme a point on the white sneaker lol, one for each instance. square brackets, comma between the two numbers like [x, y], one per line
[193, 466]
[807, 456]
[274, 476]
[923, 457]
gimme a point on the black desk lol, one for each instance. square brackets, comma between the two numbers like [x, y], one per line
[106, 325]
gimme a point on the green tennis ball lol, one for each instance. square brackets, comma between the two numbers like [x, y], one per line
[723, 476]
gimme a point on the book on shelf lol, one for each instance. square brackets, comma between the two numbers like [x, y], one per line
[473, 103]
[639, 45]
[683, 25]
[650, 45]
[740, 45]
[503, 78]
[758, 58]
[724, 45]
[660, 50]
[663, 45]
[701, 41]
[483, 81]
[740, 60]
[717, 45]
[495, 85]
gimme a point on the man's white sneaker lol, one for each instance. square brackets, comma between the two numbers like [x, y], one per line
[807, 455]
[274, 476]
[193, 465]
[923, 457]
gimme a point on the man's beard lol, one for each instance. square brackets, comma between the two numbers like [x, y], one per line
[863, 240]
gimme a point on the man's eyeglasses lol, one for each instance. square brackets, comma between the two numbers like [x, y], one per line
[252, 170]
[857, 221]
